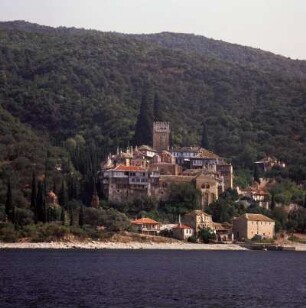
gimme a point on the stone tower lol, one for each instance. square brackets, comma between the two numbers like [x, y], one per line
[161, 136]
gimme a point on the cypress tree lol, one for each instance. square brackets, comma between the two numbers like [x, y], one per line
[143, 128]
[71, 216]
[34, 196]
[272, 202]
[63, 216]
[40, 203]
[62, 196]
[46, 217]
[81, 216]
[9, 207]
[256, 174]
[204, 139]
[157, 114]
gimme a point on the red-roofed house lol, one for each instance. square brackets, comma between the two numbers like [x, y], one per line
[182, 232]
[146, 225]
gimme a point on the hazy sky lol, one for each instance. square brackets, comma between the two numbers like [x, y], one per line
[275, 25]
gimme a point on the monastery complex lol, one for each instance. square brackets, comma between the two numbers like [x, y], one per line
[145, 171]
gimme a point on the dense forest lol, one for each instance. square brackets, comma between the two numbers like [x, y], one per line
[69, 96]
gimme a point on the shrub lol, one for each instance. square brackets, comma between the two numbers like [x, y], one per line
[2, 213]
[115, 221]
[24, 217]
[50, 232]
[206, 235]
[93, 216]
[8, 233]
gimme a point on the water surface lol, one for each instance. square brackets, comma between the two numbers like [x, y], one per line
[152, 278]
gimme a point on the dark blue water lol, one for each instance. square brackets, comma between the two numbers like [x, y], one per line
[81, 278]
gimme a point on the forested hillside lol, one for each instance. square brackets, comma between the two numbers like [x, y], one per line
[59, 83]
[233, 53]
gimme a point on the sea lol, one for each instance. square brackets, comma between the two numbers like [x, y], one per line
[152, 278]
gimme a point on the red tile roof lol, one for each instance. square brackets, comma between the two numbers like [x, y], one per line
[144, 221]
[129, 168]
[181, 226]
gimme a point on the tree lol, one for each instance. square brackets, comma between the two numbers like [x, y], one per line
[114, 220]
[272, 206]
[34, 196]
[40, 203]
[206, 235]
[63, 216]
[183, 198]
[143, 128]
[204, 139]
[256, 174]
[9, 207]
[157, 114]
[23, 217]
[81, 216]
[62, 195]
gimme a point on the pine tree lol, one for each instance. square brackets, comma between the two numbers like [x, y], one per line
[143, 128]
[81, 216]
[204, 139]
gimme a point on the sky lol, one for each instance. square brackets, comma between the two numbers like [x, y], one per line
[278, 26]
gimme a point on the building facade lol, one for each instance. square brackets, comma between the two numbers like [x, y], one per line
[249, 225]
[182, 232]
[161, 136]
[197, 220]
[146, 226]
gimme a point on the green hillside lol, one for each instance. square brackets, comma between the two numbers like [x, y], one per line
[66, 82]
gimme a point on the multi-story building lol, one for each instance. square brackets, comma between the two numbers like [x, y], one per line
[127, 183]
[198, 158]
[197, 220]
[161, 136]
[248, 225]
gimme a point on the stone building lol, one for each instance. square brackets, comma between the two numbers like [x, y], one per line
[197, 220]
[248, 225]
[226, 171]
[161, 136]
[197, 158]
[224, 232]
[268, 162]
[164, 162]
[127, 183]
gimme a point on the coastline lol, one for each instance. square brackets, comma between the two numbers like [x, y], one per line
[118, 245]
[130, 245]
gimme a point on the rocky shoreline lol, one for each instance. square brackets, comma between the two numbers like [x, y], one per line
[117, 245]
[129, 245]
